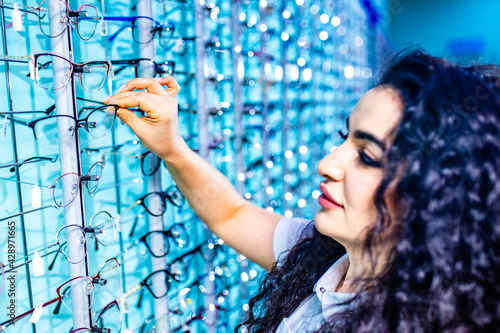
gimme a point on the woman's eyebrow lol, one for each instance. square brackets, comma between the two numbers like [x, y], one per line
[369, 137]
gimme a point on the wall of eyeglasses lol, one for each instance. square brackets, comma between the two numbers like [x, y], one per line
[95, 235]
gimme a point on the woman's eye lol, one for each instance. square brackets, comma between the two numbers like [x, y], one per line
[367, 160]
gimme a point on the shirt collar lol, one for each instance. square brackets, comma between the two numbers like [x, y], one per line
[329, 281]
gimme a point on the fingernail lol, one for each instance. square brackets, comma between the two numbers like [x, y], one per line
[123, 86]
[105, 99]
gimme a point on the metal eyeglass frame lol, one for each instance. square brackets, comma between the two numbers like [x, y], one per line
[79, 123]
[81, 13]
[160, 68]
[157, 27]
[59, 297]
[75, 68]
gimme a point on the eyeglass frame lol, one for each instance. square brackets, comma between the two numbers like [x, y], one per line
[76, 68]
[163, 196]
[95, 280]
[29, 160]
[79, 123]
[167, 234]
[90, 230]
[82, 178]
[94, 328]
[115, 148]
[135, 62]
[12, 321]
[143, 283]
[76, 14]
[158, 27]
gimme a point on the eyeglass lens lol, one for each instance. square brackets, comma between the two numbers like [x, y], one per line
[150, 164]
[74, 239]
[86, 25]
[105, 230]
[158, 284]
[100, 121]
[86, 285]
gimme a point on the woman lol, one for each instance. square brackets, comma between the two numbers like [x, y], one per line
[407, 239]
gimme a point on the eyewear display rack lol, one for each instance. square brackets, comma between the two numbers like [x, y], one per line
[265, 86]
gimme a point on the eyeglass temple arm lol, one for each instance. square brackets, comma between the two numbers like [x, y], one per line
[27, 212]
[55, 257]
[31, 160]
[12, 321]
[139, 301]
[113, 36]
[57, 309]
[134, 225]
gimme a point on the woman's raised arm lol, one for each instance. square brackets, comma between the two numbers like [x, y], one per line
[242, 225]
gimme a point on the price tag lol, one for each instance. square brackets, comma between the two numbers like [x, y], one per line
[38, 267]
[104, 28]
[179, 43]
[32, 70]
[17, 22]
[36, 197]
[125, 306]
[119, 223]
[37, 313]
[5, 126]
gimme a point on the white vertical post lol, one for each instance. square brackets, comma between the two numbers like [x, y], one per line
[70, 161]
[203, 130]
[285, 105]
[153, 184]
[238, 119]
[265, 106]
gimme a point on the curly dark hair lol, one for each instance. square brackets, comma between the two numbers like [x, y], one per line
[445, 163]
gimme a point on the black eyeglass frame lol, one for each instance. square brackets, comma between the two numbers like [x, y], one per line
[166, 234]
[159, 66]
[169, 193]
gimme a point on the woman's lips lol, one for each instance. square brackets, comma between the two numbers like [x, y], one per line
[326, 200]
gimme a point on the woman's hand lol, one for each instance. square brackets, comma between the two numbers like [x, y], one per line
[158, 130]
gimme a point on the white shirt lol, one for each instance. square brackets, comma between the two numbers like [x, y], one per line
[324, 300]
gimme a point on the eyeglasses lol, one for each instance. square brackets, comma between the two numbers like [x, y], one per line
[150, 163]
[182, 266]
[71, 181]
[98, 123]
[155, 203]
[146, 67]
[186, 304]
[85, 18]
[157, 290]
[144, 23]
[102, 228]
[44, 66]
[33, 159]
[27, 212]
[109, 320]
[84, 283]
[104, 233]
[108, 277]
[177, 233]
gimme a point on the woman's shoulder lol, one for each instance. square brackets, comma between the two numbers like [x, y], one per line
[288, 232]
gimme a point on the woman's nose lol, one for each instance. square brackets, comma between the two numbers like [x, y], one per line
[331, 167]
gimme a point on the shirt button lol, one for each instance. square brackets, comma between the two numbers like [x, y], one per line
[322, 289]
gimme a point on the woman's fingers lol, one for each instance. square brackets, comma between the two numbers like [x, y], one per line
[173, 87]
[148, 103]
[129, 118]
[154, 86]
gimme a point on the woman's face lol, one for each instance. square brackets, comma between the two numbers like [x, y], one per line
[352, 171]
